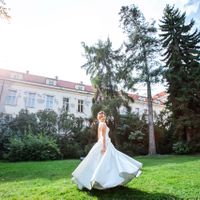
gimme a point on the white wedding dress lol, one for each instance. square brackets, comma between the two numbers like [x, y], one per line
[102, 171]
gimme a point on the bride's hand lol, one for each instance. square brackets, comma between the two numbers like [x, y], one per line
[103, 150]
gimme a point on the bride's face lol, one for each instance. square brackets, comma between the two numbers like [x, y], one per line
[101, 117]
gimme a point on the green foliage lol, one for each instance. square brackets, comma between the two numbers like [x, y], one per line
[66, 122]
[164, 130]
[33, 147]
[132, 134]
[24, 123]
[20, 135]
[73, 135]
[5, 133]
[142, 63]
[142, 48]
[136, 135]
[182, 72]
[181, 148]
[88, 148]
[47, 122]
[103, 64]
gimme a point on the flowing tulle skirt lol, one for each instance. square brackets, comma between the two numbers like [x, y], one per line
[102, 171]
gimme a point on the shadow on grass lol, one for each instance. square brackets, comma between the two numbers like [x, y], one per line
[126, 193]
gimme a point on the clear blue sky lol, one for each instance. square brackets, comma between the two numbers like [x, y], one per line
[44, 36]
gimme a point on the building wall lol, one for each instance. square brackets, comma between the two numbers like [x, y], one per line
[140, 107]
[41, 92]
[42, 89]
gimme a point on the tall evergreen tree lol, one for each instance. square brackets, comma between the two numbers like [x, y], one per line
[142, 48]
[182, 72]
[102, 65]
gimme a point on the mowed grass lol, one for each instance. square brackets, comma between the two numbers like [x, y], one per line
[163, 177]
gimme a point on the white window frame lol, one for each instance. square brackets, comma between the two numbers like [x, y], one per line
[80, 87]
[65, 104]
[51, 82]
[11, 99]
[16, 76]
[30, 101]
[49, 102]
[80, 105]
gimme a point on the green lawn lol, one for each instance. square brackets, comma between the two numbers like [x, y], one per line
[163, 177]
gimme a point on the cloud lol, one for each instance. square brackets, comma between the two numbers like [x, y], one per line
[192, 9]
[192, 2]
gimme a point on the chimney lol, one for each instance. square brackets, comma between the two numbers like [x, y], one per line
[27, 71]
[56, 77]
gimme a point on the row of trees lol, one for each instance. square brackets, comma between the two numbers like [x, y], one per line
[46, 135]
[182, 73]
[138, 61]
[41, 136]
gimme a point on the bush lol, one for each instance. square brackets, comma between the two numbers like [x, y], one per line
[181, 148]
[5, 133]
[126, 148]
[72, 150]
[33, 147]
[88, 147]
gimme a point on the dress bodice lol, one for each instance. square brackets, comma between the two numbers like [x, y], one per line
[106, 135]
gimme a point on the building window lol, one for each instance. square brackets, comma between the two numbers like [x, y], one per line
[16, 76]
[30, 101]
[80, 87]
[80, 105]
[12, 97]
[137, 110]
[49, 102]
[66, 104]
[50, 82]
[145, 111]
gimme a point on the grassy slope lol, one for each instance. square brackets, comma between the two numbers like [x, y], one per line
[163, 177]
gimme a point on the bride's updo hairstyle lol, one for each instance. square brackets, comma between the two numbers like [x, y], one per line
[101, 114]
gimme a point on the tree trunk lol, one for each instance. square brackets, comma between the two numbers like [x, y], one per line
[152, 145]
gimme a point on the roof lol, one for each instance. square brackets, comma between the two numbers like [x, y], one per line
[42, 80]
[67, 84]
[157, 98]
[160, 95]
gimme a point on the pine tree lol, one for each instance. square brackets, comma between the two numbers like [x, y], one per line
[102, 65]
[142, 49]
[182, 72]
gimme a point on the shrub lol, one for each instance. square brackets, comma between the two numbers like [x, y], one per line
[24, 123]
[33, 147]
[88, 148]
[181, 148]
[5, 133]
[47, 122]
[72, 150]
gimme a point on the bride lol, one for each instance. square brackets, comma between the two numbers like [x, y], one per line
[104, 166]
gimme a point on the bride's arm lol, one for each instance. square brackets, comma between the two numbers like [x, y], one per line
[103, 130]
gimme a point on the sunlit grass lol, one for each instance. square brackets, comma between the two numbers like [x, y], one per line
[163, 177]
